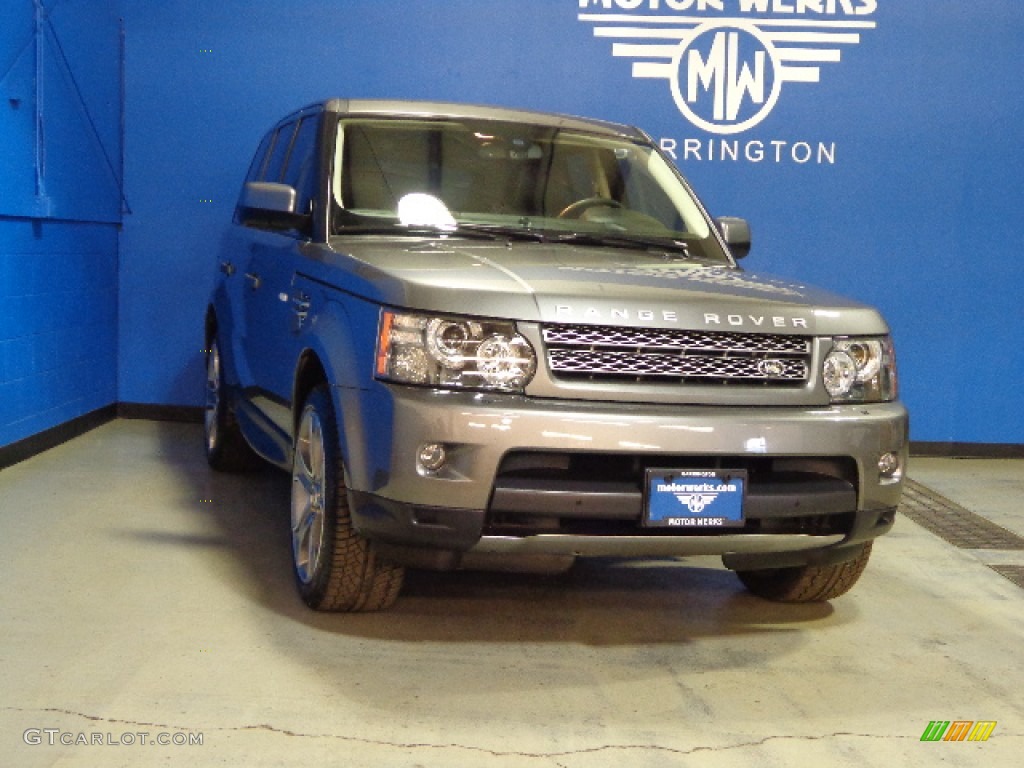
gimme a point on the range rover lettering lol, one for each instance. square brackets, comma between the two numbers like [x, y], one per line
[472, 333]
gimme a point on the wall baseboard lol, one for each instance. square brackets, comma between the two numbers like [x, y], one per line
[50, 438]
[968, 450]
[148, 412]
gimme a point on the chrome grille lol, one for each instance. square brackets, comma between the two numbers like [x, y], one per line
[651, 354]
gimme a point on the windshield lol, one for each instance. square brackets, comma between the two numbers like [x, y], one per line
[534, 181]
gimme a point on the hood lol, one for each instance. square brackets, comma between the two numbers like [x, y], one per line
[550, 282]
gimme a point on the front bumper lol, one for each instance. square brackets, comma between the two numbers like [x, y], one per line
[815, 491]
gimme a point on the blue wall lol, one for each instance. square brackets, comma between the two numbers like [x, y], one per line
[60, 204]
[910, 197]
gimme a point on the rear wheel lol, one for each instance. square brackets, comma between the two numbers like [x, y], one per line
[336, 568]
[226, 449]
[808, 583]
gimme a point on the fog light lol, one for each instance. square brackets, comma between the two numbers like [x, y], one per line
[889, 465]
[431, 457]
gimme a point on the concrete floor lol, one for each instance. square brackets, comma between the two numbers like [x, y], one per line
[146, 598]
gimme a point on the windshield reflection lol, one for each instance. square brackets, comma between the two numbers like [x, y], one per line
[468, 177]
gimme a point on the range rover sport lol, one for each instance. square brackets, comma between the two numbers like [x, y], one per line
[470, 331]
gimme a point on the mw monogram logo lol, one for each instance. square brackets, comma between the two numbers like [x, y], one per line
[696, 502]
[726, 73]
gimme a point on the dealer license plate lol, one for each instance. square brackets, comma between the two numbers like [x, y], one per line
[711, 498]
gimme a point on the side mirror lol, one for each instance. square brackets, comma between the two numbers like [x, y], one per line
[736, 233]
[269, 205]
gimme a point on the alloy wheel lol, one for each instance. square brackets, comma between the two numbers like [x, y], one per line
[309, 473]
[211, 415]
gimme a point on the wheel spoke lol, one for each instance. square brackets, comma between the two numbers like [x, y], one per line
[301, 518]
[308, 485]
[308, 475]
[316, 452]
[210, 414]
[306, 541]
[302, 448]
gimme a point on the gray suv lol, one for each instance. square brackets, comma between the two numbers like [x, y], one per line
[473, 333]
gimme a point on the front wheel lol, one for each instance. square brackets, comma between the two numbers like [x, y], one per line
[336, 568]
[808, 583]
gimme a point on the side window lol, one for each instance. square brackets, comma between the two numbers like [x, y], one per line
[273, 166]
[259, 160]
[301, 170]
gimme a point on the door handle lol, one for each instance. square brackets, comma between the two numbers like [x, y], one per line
[227, 268]
[254, 280]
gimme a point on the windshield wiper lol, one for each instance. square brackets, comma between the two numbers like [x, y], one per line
[468, 231]
[499, 231]
[403, 230]
[676, 247]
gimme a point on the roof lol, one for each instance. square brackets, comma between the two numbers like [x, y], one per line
[442, 109]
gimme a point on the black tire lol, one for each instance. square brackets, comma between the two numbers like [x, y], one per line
[809, 583]
[335, 568]
[226, 449]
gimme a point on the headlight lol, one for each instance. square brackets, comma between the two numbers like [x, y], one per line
[454, 352]
[860, 370]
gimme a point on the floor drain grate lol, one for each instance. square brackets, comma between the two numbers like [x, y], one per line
[1014, 573]
[957, 525]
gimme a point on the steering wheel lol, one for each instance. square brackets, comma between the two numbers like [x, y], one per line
[575, 210]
